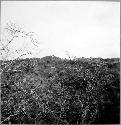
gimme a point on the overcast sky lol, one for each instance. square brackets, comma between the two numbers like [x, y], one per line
[84, 29]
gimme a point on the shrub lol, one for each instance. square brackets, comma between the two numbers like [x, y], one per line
[69, 93]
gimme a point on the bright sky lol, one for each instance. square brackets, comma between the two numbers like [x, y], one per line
[84, 29]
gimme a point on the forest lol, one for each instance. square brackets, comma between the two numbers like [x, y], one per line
[51, 90]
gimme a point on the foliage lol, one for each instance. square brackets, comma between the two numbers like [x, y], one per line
[57, 91]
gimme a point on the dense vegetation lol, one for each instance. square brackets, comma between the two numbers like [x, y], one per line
[51, 90]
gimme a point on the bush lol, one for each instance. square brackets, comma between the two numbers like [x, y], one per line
[64, 93]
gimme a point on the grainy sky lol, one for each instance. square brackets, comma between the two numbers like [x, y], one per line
[83, 28]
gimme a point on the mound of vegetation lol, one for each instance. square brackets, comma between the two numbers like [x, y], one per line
[57, 91]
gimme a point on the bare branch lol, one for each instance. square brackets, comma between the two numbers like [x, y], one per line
[16, 32]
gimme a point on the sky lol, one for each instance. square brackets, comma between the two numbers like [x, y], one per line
[77, 28]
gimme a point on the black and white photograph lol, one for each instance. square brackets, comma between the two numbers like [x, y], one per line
[60, 62]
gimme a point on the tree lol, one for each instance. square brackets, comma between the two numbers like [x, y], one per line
[11, 35]
[8, 50]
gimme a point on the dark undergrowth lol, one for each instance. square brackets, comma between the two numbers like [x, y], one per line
[60, 91]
